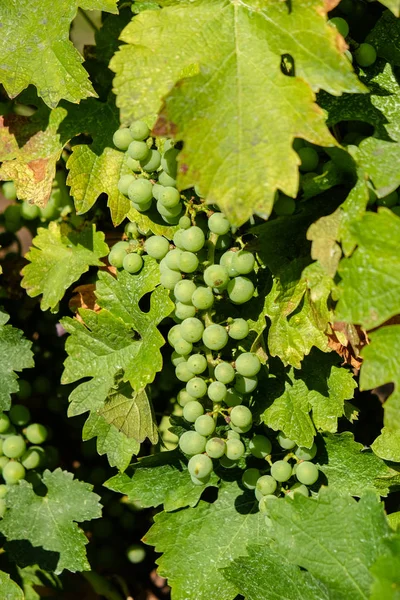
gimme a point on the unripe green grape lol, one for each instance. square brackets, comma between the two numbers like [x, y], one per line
[3, 490]
[215, 447]
[36, 433]
[266, 485]
[51, 211]
[19, 415]
[240, 430]
[248, 364]
[4, 422]
[14, 446]
[224, 372]
[185, 222]
[197, 363]
[25, 389]
[136, 554]
[169, 278]
[281, 470]
[184, 290]
[245, 385]
[157, 189]
[170, 220]
[140, 191]
[172, 212]
[192, 410]
[166, 180]
[196, 387]
[216, 391]
[307, 473]
[298, 488]
[226, 262]
[306, 453]
[117, 254]
[139, 130]
[142, 207]
[260, 446]
[218, 224]
[183, 347]
[42, 385]
[29, 211]
[178, 239]
[13, 472]
[200, 481]
[216, 276]
[284, 206]
[192, 330]
[132, 164]
[183, 373]
[188, 262]
[233, 398]
[241, 416]
[184, 398]
[132, 262]
[169, 197]
[232, 435]
[240, 290]
[169, 162]
[205, 425]
[309, 159]
[33, 457]
[172, 261]
[156, 246]
[234, 449]
[226, 462]
[192, 443]
[341, 25]
[3, 507]
[138, 150]
[238, 329]
[365, 55]
[124, 183]
[203, 298]
[243, 262]
[250, 478]
[193, 239]
[174, 334]
[151, 162]
[389, 201]
[122, 138]
[176, 358]
[215, 337]
[200, 466]
[184, 311]
[3, 461]
[285, 442]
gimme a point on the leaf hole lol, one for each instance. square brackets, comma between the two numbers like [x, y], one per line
[287, 65]
[144, 302]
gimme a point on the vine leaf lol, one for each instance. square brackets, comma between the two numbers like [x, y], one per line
[16, 355]
[58, 257]
[37, 50]
[205, 539]
[9, 589]
[240, 69]
[50, 521]
[386, 572]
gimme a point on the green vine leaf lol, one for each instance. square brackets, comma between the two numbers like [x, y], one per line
[386, 572]
[9, 589]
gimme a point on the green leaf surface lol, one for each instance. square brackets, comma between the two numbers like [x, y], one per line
[160, 479]
[9, 589]
[50, 521]
[37, 50]
[394, 520]
[337, 551]
[16, 355]
[198, 542]
[239, 69]
[387, 444]
[386, 573]
[59, 257]
[385, 36]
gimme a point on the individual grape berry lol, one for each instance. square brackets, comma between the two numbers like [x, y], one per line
[243, 262]
[199, 481]
[205, 425]
[4, 489]
[193, 239]
[136, 554]
[240, 290]
[132, 262]
[3, 461]
[245, 385]
[227, 463]
[241, 416]
[184, 290]
[197, 363]
[306, 453]
[266, 485]
[4, 422]
[29, 211]
[19, 415]
[341, 25]
[138, 150]
[192, 410]
[183, 398]
[172, 260]
[183, 347]
[33, 457]
[184, 311]
[36, 433]
[215, 447]
[140, 191]
[218, 224]
[203, 298]
[250, 478]
[169, 162]
[215, 337]
[232, 435]
[248, 364]
[224, 372]
[200, 466]
[156, 246]
[281, 470]
[216, 276]
[365, 55]
[307, 473]
[117, 254]
[176, 358]
[132, 164]
[284, 206]
[263, 507]
[233, 398]
[183, 373]
[192, 443]
[185, 222]
[260, 446]
[188, 262]
[169, 197]
[234, 449]
[178, 239]
[226, 262]
[131, 230]
[139, 130]
[238, 329]
[124, 183]
[192, 330]
[196, 387]
[157, 189]
[285, 442]
[142, 207]
[174, 334]
[216, 391]
[151, 162]
[122, 138]
[298, 488]
[169, 279]
[173, 211]
[13, 472]
[25, 389]
[167, 181]
[14, 446]
[309, 159]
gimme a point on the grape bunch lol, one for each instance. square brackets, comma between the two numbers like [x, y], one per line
[19, 451]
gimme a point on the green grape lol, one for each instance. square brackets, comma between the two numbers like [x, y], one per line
[240, 290]
[13, 472]
[197, 363]
[122, 138]
[216, 391]
[166, 180]
[8, 190]
[172, 260]
[233, 398]
[285, 442]
[156, 246]
[215, 337]
[183, 373]
[132, 262]
[169, 163]
[199, 481]
[183, 347]
[284, 206]
[224, 372]
[193, 239]
[133, 165]
[3, 508]
[139, 130]
[196, 387]
[33, 457]
[240, 430]
[365, 55]
[169, 197]
[136, 554]
[14, 446]
[192, 442]
[266, 485]
[260, 446]
[281, 470]
[216, 276]
[250, 478]
[389, 201]
[138, 150]
[238, 329]
[178, 239]
[42, 385]
[169, 279]
[248, 364]
[29, 212]
[184, 311]
[232, 435]
[157, 189]
[226, 462]
[173, 211]
[185, 222]
[307, 473]
[19, 415]
[234, 449]
[140, 191]
[124, 183]
[188, 262]
[245, 385]
[241, 416]
[200, 466]
[298, 488]
[142, 207]
[131, 230]
[176, 358]
[192, 330]
[309, 159]
[306, 453]
[218, 224]
[215, 447]
[3, 461]
[3, 490]
[183, 398]
[170, 220]
[341, 25]
[203, 298]
[36, 433]
[117, 254]
[151, 162]
[226, 261]
[174, 335]
[12, 218]
[25, 389]
[243, 262]
[184, 290]
[205, 425]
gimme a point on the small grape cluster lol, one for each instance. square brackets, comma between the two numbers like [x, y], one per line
[16, 454]
[365, 54]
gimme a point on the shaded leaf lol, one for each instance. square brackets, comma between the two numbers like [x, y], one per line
[386, 573]
[9, 589]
